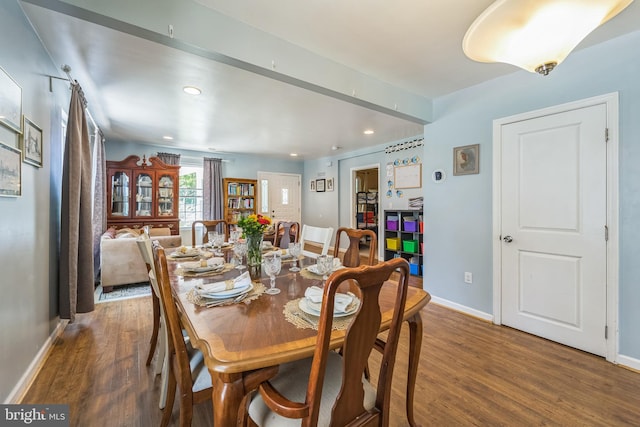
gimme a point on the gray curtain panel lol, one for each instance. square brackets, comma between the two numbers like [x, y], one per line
[212, 189]
[169, 158]
[99, 177]
[76, 240]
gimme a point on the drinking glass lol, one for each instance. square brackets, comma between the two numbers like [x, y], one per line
[240, 249]
[234, 236]
[218, 240]
[294, 250]
[324, 265]
[272, 266]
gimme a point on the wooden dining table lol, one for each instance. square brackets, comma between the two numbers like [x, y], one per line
[238, 339]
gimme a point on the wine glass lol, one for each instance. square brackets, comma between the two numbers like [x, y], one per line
[324, 265]
[218, 240]
[240, 249]
[272, 266]
[294, 250]
[234, 236]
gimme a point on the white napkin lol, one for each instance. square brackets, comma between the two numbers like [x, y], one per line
[242, 281]
[341, 302]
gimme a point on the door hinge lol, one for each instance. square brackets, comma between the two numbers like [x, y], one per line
[606, 134]
[606, 332]
[606, 233]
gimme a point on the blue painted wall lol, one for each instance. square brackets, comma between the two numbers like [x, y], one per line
[459, 212]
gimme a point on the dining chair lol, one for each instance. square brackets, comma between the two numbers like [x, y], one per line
[286, 232]
[329, 389]
[351, 257]
[219, 225]
[186, 364]
[319, 235]
[159, 336]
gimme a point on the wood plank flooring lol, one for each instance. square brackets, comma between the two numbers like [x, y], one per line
[472, 373]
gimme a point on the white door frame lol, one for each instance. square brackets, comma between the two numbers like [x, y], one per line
[352, 198]
[611, 102]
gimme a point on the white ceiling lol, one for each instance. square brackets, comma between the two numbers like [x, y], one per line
[134, 84]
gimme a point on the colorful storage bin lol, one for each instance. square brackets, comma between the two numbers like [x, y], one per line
[393, 243]
[421, 227]
[414, 269]
[392, 223]
[410, 246]
[410, 225]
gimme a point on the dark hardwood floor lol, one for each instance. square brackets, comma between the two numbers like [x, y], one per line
[472, 373]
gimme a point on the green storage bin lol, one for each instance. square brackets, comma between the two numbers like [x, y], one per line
[410, 246]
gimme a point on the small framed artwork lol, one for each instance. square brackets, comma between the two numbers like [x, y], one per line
[10, 102]
[466, 160]
[10, 171]
[330, 184]
[312, 185]
[31, 143]
[320, 185]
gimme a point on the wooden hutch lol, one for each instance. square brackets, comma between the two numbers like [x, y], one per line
[142, 193]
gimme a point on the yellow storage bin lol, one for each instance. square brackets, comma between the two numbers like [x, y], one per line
[393, 243]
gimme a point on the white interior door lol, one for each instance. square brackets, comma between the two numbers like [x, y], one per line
[554, 214]
[280, 196]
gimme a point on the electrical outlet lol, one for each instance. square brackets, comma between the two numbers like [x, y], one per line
[468, 277]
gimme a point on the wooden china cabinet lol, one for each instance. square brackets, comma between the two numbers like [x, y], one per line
[142, 193]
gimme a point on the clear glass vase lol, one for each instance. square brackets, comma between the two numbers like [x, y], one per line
[254, 249]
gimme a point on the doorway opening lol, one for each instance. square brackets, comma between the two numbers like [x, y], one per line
[365, 183]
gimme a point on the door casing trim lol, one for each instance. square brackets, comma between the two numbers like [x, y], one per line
[611, 101]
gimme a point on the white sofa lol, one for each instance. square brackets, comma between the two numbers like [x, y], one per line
[120, 260]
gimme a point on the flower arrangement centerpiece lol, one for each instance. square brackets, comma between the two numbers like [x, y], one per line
[253, 228]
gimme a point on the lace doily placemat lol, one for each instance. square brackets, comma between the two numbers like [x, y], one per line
[194, 298]
[302, 320]
[180, 272]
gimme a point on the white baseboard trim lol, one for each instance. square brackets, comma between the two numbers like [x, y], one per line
[20, 389]
[629, 362]
[462, 308]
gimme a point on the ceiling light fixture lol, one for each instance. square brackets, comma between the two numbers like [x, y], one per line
[335, 147]
[168, 138]
[535, 35]
[369, 132]
[192, 90]
[294, 154]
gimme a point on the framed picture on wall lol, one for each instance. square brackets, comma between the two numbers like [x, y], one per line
[320, 185]
[466, 160]
[330, 184]
[312, 185]
[10, 171]
[31, 143]
[10, 102]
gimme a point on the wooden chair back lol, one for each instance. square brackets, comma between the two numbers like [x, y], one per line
[219, 225]
[319, 235]
[360, 339]
[351, 256]
[187, 369]
[286, 232]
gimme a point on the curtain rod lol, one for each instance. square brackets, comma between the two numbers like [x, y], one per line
[67, 70]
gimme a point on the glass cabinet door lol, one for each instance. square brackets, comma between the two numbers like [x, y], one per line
[144, 194]
[120, 194]
[165, 196]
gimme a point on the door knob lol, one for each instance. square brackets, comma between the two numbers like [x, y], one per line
[508, 239]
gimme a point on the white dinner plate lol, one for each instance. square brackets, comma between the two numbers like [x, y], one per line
[314, 269]
[228, 294]
[195, 267]
[306, 306]
[188, 254]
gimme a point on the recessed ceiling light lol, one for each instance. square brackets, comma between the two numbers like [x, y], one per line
[294, 154]
[369, 132]
[335, 147]
[168, 138]
[192, 90]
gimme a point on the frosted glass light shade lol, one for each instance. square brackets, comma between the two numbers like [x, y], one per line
[535, 35]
